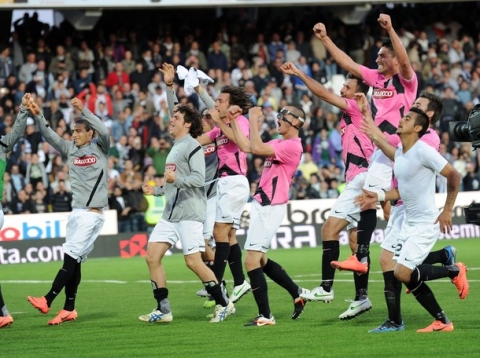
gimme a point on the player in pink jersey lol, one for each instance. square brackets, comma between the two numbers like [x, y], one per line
[232, 186]
[433, 107]
[357, 149]
[395, 86]
[269, 204]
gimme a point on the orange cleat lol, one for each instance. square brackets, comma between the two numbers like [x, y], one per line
[40, 303]
[437, 326]
[63, 316]
[6, 321]
[461, 281]
[351, 264]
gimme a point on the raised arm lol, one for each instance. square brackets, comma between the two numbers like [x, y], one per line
[18, 130]
[256, 143]
[48, 133]
[168, 72]
[240, 138]
[102, 130]
[317, 88]
[204, 96]
[222, 125]
[406, 70]
[340, 57]
[369, 127]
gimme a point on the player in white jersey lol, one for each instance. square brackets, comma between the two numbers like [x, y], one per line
[416, 167]
[6, 144]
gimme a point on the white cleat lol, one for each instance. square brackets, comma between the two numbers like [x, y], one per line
[221, 313]
[356, 308]
[318, 294]
[157, 317]
[240, 291]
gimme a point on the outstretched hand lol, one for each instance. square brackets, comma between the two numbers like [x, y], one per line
[168, 72]
[366, 200]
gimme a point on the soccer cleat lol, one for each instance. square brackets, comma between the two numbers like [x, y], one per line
[388, 326]
[221, 313]
[351, 264]
[6, 321]
[298, 307]
[261, 321]
[451, 255]
[210, 316]
[318, 294]
[356, 308]
[63, 316]
[202, 293]
[461, 281]
[239, 291]
[437, 326]
[157, 317]
[40, 303]
[209, 303]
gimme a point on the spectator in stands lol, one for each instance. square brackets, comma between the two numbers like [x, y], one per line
[119, 202]
[22, 204]
[36, 172]
[62, 198]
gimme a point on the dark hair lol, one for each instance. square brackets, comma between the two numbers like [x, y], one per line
[361, 86]
[192, 116]
[421, 119]
[388, 44]
[298, 111]
[87, 125]
[435, 105]
[238, 97]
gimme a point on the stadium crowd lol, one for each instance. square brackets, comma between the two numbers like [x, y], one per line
[115, 72]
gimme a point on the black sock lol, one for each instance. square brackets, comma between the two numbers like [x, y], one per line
[392, 292]
[330, 252]
[71, 288]
[429, 272]
[278, 275]
[64, 275]
[260, 291]
[215, 290]
[425, 297]
[361, 284]
[160, 294]
[222, 252]
[235, 263]
[2, 303]
[365, 229]
[436, 257]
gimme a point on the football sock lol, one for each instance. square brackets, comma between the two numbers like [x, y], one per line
[425, 297]
[330, 252]
[436, 257]
[392, 292]
[365, 229]
[71, 288]
[429, 272]
[278, 275]
[161, 294]
[260, 291]
[361, 284]
[215, 290]
[235, 263]
[222, 252]
[64, 275]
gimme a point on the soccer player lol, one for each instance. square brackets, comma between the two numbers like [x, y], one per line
[183, 217]
[357, 150]
[433, 108]
[270, 203]
[394, 85]
[416, 167]
[6, 144]
[233, 188]
[211, 167]
[87, 158]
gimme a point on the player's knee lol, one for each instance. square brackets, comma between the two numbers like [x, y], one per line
[251, 262]
[386, 262]
[329, 233]
[402, 275]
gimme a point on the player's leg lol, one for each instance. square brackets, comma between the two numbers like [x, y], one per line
[240, 286]
[446, 256]
[5, 317]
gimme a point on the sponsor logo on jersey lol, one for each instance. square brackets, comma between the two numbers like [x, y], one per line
[222, 140]
[171, 166]
[268, 163]
[85, 161]
[209, 149]
[381, 93]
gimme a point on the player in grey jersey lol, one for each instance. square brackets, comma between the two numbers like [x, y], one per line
[6, 144]
[86, 157]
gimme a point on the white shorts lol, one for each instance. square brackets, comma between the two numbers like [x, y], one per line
[264, 223]
[232, 194]
[379, 174]
[394, 227]
[210, 218]
[415, 243]
[83, 227]
[189, 233]
[344, 208]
